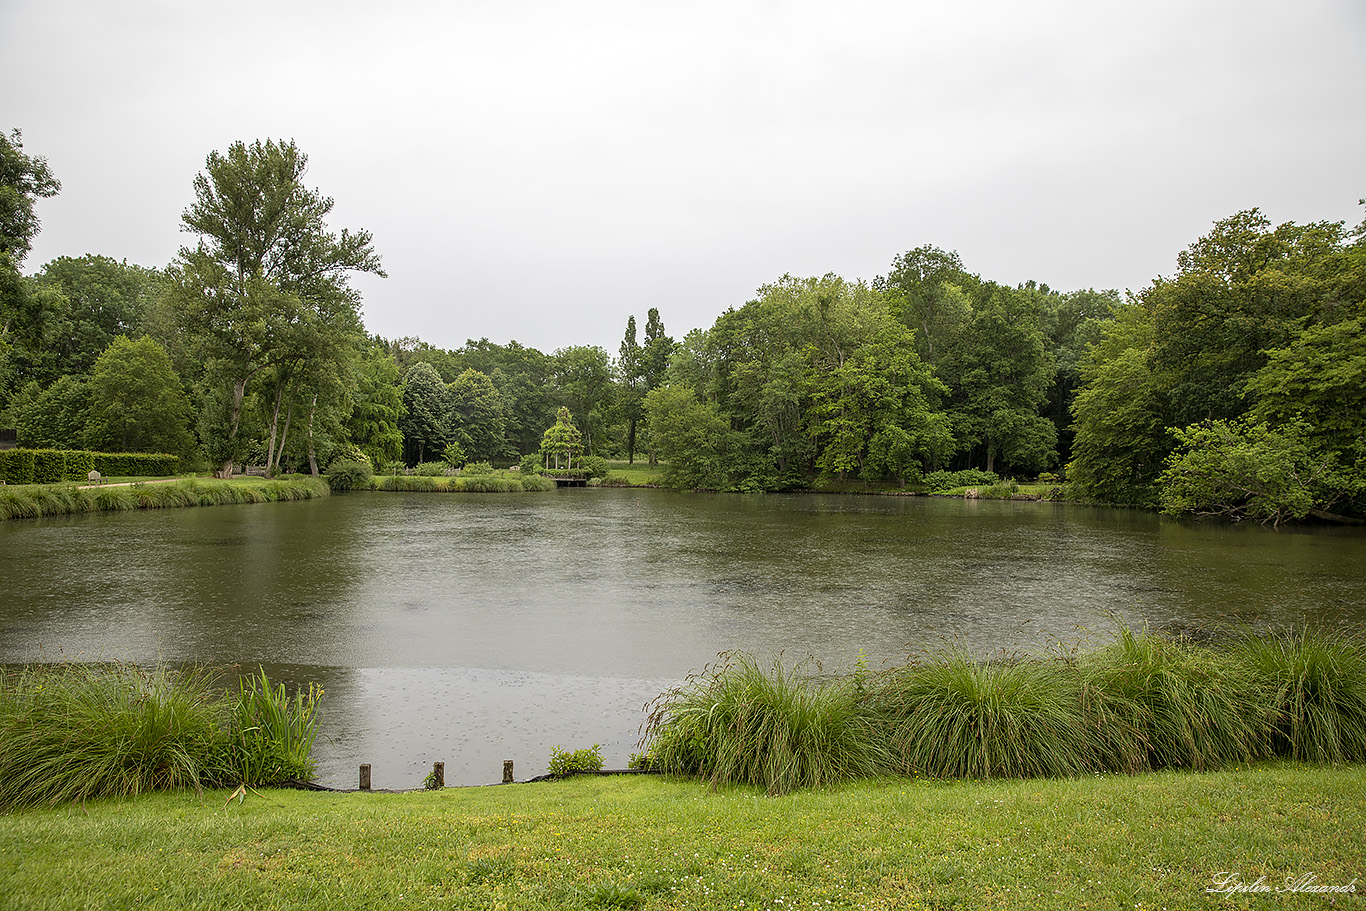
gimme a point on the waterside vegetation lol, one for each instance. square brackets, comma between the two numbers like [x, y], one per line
[1145, 702]
[75, 732]
[32, 501]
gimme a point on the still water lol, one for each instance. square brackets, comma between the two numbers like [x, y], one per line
[473, 628]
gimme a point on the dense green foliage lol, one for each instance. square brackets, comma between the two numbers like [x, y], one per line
[73, 732]
[1145, 702]
[1235, 386]
[248, 348]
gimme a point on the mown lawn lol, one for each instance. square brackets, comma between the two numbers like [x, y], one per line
[1146, 842]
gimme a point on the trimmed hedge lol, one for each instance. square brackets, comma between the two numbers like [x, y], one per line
[51, 466]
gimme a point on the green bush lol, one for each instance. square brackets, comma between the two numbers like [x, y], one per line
[530, 464]
[475, 469]
[564, 763]
[16, 466]
[431, 469]
[349, 475]
[594, 466]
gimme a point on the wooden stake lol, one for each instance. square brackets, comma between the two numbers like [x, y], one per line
[439, 775]
[365, 776]
[507, 771]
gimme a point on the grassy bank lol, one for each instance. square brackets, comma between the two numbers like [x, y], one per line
[1147, 842]
[31, 501]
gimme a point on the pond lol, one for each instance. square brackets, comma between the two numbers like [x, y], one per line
[473, 628]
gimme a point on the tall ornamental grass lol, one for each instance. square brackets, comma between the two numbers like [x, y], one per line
[1312, 686]
[70, 732]
[1144, 702]
[779, 728]
[1154, 702]
[954, 717]
[73, 732]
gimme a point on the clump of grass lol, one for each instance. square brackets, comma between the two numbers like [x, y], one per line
[955, 717]
[70, 732]
[780, 729]
[1158, 703]
[1144, 702]
[1313, 690]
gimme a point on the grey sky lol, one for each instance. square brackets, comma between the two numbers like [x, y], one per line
[539, 170]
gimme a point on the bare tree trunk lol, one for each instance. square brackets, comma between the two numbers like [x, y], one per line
[312, 456]
[239, 394]
[284, 435]
[274, 426]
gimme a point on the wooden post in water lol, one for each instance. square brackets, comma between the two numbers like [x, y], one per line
[507, 771]
[438, 775]
[365, 776]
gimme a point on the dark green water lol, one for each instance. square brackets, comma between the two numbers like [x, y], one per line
[475, 628]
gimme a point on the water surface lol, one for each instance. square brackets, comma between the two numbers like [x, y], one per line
[472, 628]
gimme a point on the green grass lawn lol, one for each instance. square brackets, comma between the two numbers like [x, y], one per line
[1146, 842]
[638, 474]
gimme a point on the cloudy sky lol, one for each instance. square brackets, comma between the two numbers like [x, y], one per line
[538, 170]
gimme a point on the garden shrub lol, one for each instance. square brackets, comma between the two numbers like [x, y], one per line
[594, 466]
[564, 763]
[16, 466]
[349, 474]
[431, 469]
[473, 469]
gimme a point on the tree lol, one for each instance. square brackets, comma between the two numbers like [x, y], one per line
[424, 425]
[562, 443]
[266, 273]
[1249, 469]
[631, 375]
[55, 417]
[694, 439]
[373, 424]
[1000, 371]
[136, 401]
[583, 381]
[24, 179]
[105, 298]
[1120, 414]
[476, 416]
[932, 292]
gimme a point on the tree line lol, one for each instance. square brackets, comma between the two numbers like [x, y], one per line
[1234, 386]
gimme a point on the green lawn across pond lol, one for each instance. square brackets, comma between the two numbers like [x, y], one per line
[642, 842]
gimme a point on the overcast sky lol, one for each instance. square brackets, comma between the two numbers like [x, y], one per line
[540, 170]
